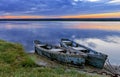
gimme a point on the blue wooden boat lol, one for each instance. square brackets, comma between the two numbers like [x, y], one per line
[94, 58]
[60, 54]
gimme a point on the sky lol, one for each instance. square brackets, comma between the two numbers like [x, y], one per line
[59, 8]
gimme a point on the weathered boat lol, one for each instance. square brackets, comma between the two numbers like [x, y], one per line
[94, 58]
[58, 53]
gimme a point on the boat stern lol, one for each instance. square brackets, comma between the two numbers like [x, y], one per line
[96, 60]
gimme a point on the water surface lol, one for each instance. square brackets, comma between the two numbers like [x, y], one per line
[100, 36]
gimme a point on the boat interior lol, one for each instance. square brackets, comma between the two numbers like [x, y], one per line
[58, 49]
[52, 48]
[75, 46]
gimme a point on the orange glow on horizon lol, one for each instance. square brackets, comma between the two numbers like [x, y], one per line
[98, 26]
[102, 15]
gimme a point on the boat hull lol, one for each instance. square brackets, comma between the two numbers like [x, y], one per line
[70, 59]
[96, 61]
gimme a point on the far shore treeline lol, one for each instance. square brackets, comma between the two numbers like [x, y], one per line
[64, 19]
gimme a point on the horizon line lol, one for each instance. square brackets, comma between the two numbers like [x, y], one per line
[60, 19]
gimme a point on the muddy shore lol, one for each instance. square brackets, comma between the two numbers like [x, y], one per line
[42, 61]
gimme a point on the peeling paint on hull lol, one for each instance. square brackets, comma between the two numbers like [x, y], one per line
[71, 59]
[94, 58]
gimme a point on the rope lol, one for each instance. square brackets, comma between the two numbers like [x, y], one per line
[111, 69]
[108, 68]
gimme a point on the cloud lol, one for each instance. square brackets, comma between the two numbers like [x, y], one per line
[55, 7]
[114, 1]
[93, 0]
[16, 17]
[87, 0]
[76, 0]
[7, 13]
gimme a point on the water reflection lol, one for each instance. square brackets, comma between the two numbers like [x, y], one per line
[20, 26]
[96, 25]
[101, 36]
[110, 45]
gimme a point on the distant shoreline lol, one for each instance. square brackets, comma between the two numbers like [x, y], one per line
[65, 19]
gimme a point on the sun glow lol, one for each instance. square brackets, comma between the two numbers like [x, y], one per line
[102, 15]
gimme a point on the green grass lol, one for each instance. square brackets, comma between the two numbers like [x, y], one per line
[15, 63]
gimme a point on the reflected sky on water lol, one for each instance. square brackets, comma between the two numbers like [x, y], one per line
[100, 36]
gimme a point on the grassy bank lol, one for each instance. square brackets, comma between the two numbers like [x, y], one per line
[15, 63]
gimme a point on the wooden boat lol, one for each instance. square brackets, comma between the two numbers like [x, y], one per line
[94, 58]
[58, 53]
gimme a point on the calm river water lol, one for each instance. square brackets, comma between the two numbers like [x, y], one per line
[100, 36]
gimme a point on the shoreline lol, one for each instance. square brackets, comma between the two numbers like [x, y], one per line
[15, 62]
[45, 62]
